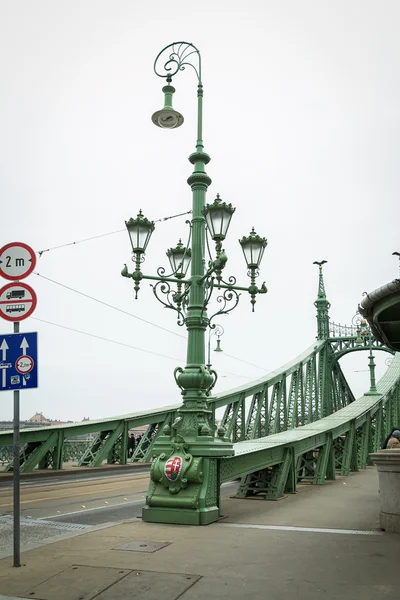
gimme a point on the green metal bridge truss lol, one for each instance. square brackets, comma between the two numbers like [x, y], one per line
[274, 464]
[300, 422]
[302, 392]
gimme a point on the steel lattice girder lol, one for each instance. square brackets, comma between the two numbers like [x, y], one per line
[259, 454]
[346, 344]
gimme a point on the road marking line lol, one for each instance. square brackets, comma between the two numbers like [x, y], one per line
[309, 529]
[75, 512]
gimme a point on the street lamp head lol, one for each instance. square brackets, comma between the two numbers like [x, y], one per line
[359, 340]
[167, 117]
[140, 230]
[218, 348]
[218, 217]
[253, 248]
[179, 259]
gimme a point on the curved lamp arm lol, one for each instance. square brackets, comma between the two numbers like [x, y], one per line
[174, 58]
[178, 54]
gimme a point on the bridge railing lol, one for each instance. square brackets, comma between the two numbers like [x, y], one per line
[302, 391]
[341, 442]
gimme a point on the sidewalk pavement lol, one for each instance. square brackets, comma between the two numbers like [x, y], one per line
[323, 542]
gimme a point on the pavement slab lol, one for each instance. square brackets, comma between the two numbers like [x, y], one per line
[78, 582]
[149, 585]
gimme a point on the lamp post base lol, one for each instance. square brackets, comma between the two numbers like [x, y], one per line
[184, 489]
[179, 516]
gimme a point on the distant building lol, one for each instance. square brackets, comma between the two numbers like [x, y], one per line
[39, 418]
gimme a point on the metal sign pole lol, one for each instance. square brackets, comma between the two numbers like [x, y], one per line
[16, 474]
[17, 302]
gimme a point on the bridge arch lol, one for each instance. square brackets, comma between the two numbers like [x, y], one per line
[341, 353]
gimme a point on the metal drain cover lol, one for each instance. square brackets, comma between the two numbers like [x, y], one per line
[142, 546]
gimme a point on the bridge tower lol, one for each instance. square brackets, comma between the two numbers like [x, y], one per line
[322, 305]
[326, 356]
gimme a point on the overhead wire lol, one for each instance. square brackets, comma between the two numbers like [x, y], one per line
[99, 337]
[101, 235]
[125, 312]
[135, 316]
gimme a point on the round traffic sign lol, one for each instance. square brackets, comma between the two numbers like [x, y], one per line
[17, 261]
[24, 364]
[17, 301]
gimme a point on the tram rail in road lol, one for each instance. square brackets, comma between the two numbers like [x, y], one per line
[75, 474]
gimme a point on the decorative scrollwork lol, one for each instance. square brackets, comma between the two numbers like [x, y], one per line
[177, 372]
[357, 320]
[231, 281]
[215, 375]
[227, 297]
[177, 55]
[185, 298]
[163, 287]
[208, 291]
[138, 258]
[218, 330]
[161, 272]
[253, 273]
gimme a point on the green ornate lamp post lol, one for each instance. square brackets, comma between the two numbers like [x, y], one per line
[364, 338]
[184, 485]
[366, 333]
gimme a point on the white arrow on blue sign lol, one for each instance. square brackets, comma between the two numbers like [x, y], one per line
[18, 361]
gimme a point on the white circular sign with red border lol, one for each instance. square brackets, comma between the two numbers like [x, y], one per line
[17, 301]
[24, 364]
[17, 261]
[173, 467]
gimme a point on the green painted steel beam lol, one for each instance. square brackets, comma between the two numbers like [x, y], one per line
[39, 453]
[39, 434]
[221, 400]
[106, 446]
[253, 456]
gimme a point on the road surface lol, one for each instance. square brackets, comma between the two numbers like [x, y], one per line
[91, 499]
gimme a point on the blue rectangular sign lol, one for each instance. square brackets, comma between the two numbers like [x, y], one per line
[18, 361]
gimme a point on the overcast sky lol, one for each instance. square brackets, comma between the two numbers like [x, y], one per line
[301, 120]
